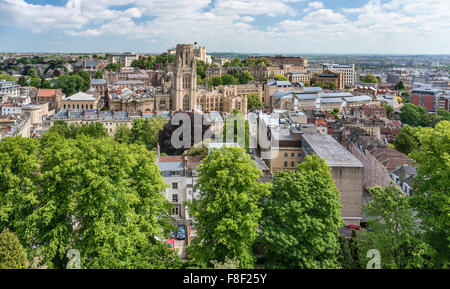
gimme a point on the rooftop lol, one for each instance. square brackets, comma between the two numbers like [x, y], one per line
[326, 147]
[81, 96]
[46, 92]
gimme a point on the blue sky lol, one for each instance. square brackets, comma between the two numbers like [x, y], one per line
[258, 26]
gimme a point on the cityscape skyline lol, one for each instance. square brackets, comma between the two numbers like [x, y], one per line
[361, 27]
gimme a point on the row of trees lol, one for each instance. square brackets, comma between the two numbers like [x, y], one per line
[78, 188]
[68, 83]
[231, 78]
[294, 223]
[249, 62]
[143, 132]
[151, 60]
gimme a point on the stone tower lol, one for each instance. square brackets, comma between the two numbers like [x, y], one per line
[184, 84]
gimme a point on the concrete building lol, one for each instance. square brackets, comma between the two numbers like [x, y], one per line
[346, 170]
[348, 70]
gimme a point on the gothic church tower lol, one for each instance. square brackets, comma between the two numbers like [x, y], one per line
[184, 84]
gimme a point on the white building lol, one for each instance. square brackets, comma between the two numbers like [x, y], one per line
[9, 88]
[10, 109]
[348, 70]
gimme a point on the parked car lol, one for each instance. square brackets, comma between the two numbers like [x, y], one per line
[181, 232]
[171, 243]
[354, 227]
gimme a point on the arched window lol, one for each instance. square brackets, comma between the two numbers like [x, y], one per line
[186, 81]
[186, 103]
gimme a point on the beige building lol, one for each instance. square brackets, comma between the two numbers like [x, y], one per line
[185, 96]
[138, 99]
[80, 101]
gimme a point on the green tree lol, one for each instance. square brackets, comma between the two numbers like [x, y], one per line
[201, 68]
[93, 129]
[332, 86]
[95, 195]
[405, 143]
[7, 77]
[228, 209]
[253, 101]
[146, 132]
[122, 134]
[86, 80]
[22, 81]
[280, 77]
[36, 82]
[45, 83]
[431, 189]
[12, 254]
[345, 257]
[394, 231]
[245, 77]
[228, 79]
[389, 110]
[369, 78]
[302, 217]
[99, 74]
[32, 72]
[414, 115]
[113, 66]
[216, 81]
[400, 85]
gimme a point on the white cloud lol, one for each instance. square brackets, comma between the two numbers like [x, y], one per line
[394, 26]
[313, 6]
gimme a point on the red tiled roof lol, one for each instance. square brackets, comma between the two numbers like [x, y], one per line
[46, 93]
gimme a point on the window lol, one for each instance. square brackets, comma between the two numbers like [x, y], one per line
[299, 155]
[292, 155]
[175, 211]
[292, 164]
[175, 198]
[285, 164]
[175, 173]
[174, 185]
[285, 155]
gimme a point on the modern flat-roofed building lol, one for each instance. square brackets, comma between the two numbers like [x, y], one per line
[427, 97]
[346, 170]
[348, 70]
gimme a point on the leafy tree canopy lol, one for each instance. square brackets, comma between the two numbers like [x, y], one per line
[302, 217]
[228, 209]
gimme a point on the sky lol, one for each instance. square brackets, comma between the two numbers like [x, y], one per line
[247, 26]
